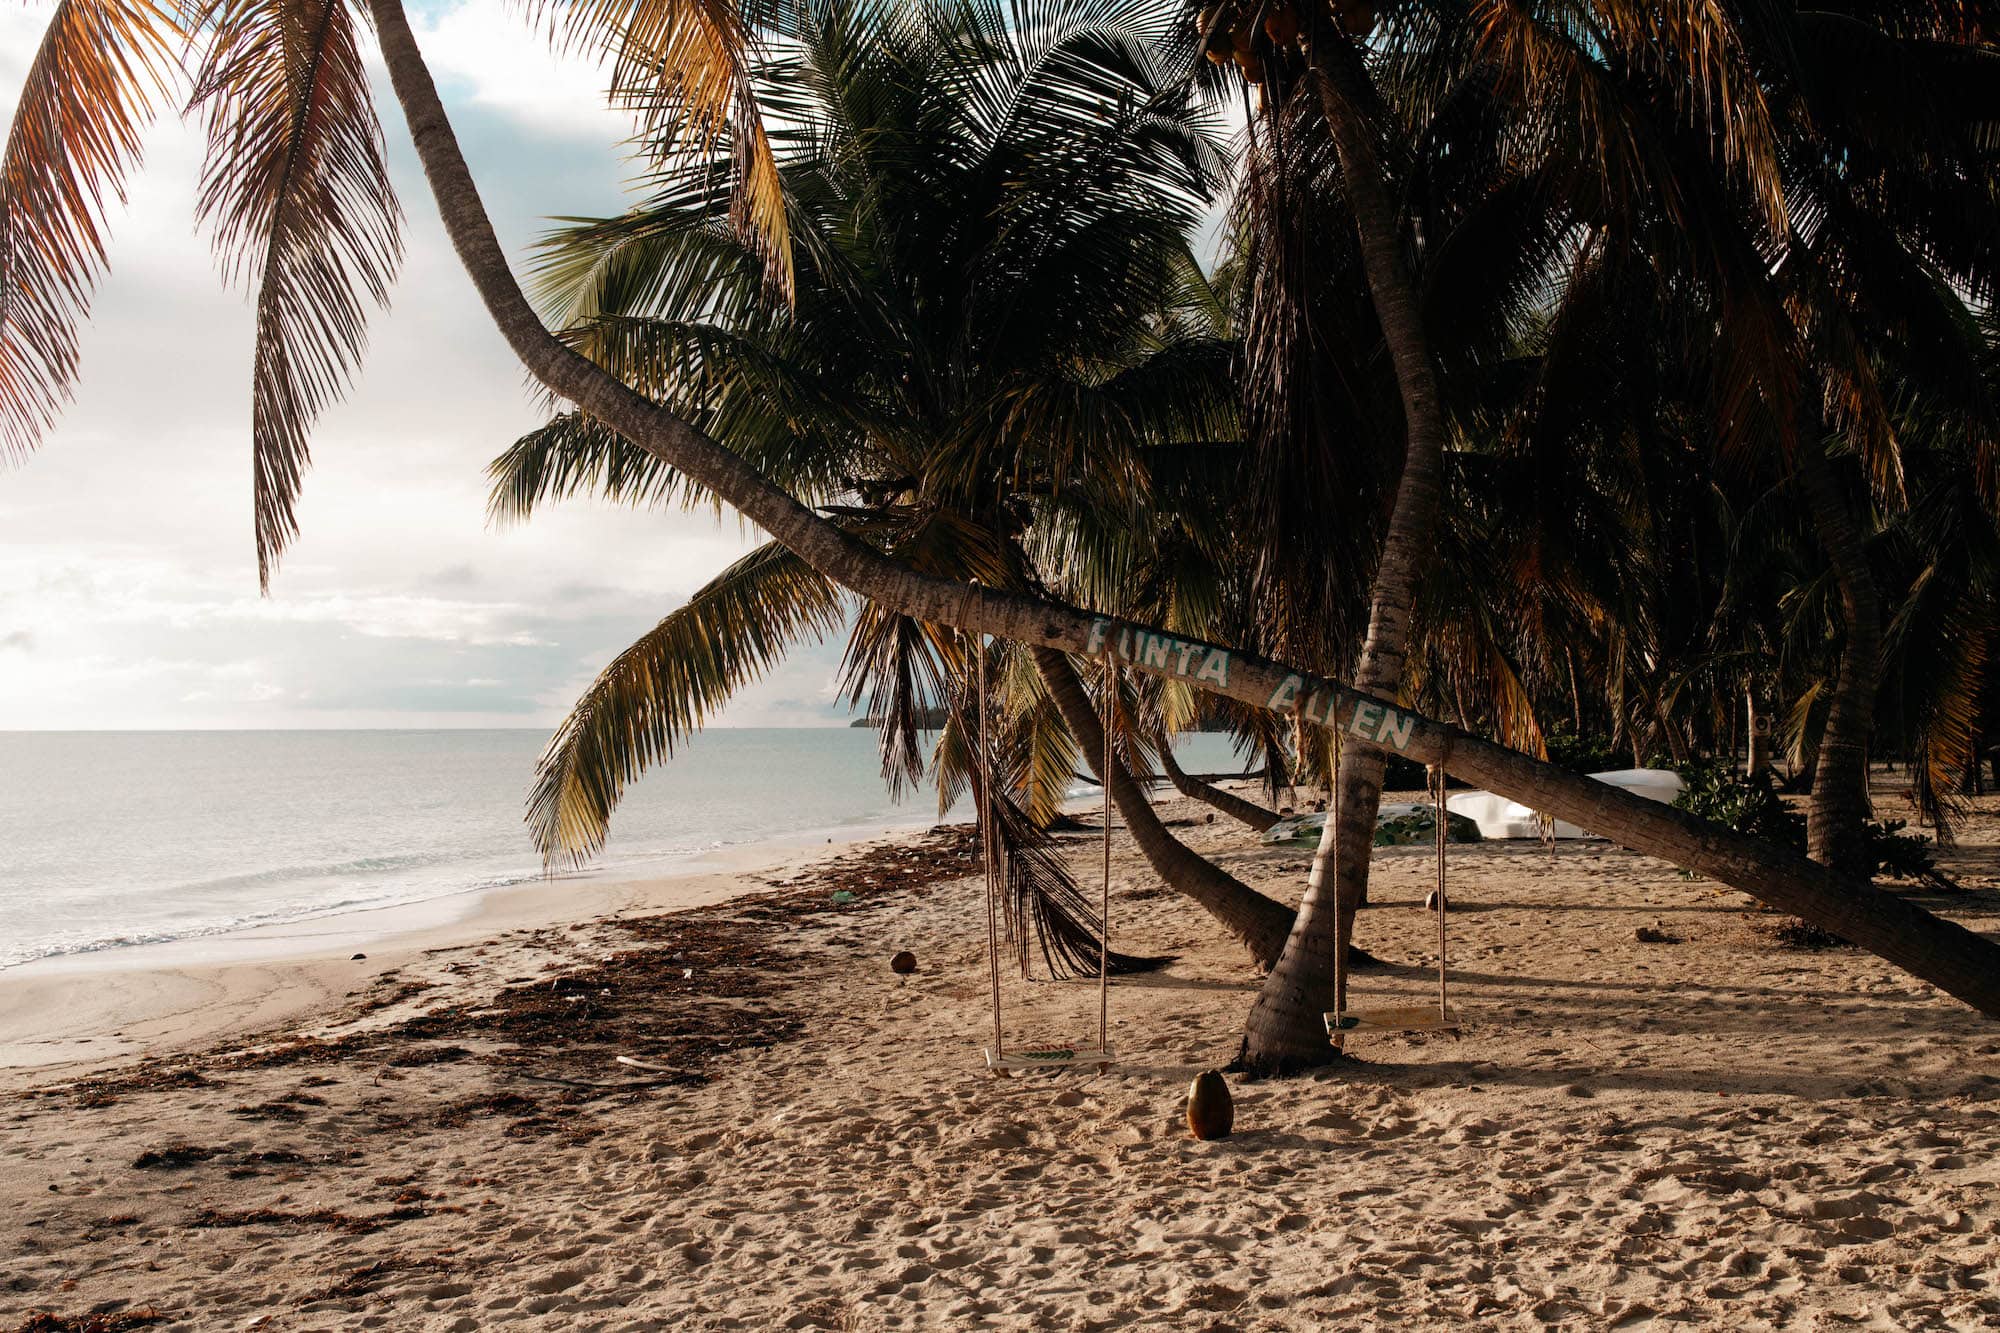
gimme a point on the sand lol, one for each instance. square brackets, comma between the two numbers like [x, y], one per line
[1712, 1132]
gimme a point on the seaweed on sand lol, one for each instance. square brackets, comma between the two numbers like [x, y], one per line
[48, 1321]
[698, 987]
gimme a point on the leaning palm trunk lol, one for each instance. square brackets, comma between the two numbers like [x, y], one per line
[1284, 1030]
[1940, 951]
[1228, 802]
[1838, 811]
[1262, 923]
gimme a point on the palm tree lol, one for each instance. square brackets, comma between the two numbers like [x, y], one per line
[1814, 339]
[1944, 953]
[1900, 200]
[996, 346]
[1512, 105]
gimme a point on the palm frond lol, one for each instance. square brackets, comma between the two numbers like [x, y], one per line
[663, 688]
[1048, 908]
[297, 196]
[575, 454]
[93, 86]
[1048, 753]
[683, 66]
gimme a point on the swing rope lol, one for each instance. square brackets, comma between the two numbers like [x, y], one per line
[1340, 1022]
[1049, 1057]
[1343, 922]
[985, 768]
[1104, 917]
[1438, 817]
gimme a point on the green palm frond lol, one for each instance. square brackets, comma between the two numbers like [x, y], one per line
[1049, 756]
[576, 454]
[662, 689]
[894, 668]
[1947, 671]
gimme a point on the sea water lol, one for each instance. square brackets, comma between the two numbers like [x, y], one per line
[118, 838]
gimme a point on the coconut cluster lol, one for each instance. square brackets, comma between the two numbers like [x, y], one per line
[1250, 33]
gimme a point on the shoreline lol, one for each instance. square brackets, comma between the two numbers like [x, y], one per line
[65, 1014]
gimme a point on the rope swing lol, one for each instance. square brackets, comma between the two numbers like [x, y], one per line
[1341, 1022]
[998, 1058]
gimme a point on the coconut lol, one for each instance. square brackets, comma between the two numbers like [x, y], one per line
[1211, 1113]
[903, 963]
[1282, 26]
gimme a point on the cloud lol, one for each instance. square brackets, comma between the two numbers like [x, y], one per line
[455, 576]
[125, 540]
[486, 56]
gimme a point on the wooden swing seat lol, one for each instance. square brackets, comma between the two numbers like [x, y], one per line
[1401, 1018]
[1048, 1057]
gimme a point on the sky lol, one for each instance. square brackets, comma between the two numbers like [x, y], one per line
[128, 579]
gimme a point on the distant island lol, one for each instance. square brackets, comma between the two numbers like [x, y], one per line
[931, 719]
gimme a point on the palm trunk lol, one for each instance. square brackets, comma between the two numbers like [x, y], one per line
[1664, 728]
[1236, 807]
[1941, 952]
[1838, 809]
[1284, 1030]
[1260, 922]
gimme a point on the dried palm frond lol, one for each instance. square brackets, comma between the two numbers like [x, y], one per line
[93, 86]
[683, 66]
[297, 196]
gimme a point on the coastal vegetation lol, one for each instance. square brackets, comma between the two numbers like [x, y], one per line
[1620, 370]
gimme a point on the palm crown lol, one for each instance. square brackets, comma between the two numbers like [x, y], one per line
[998, 337]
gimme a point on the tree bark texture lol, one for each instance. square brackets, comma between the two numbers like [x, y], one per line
[1838, 809]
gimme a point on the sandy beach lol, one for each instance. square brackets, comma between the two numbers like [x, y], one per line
[83, 1010]
[1710, 1131]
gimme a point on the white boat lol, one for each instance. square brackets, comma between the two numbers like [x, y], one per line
[1499, 817]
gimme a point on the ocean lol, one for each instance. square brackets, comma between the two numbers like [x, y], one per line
[110, 839]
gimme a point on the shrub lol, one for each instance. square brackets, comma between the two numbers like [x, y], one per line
[1715, 791]
[1583, 753]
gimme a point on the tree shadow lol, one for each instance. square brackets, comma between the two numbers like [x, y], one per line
[1460, 904]
[1819, 1084]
